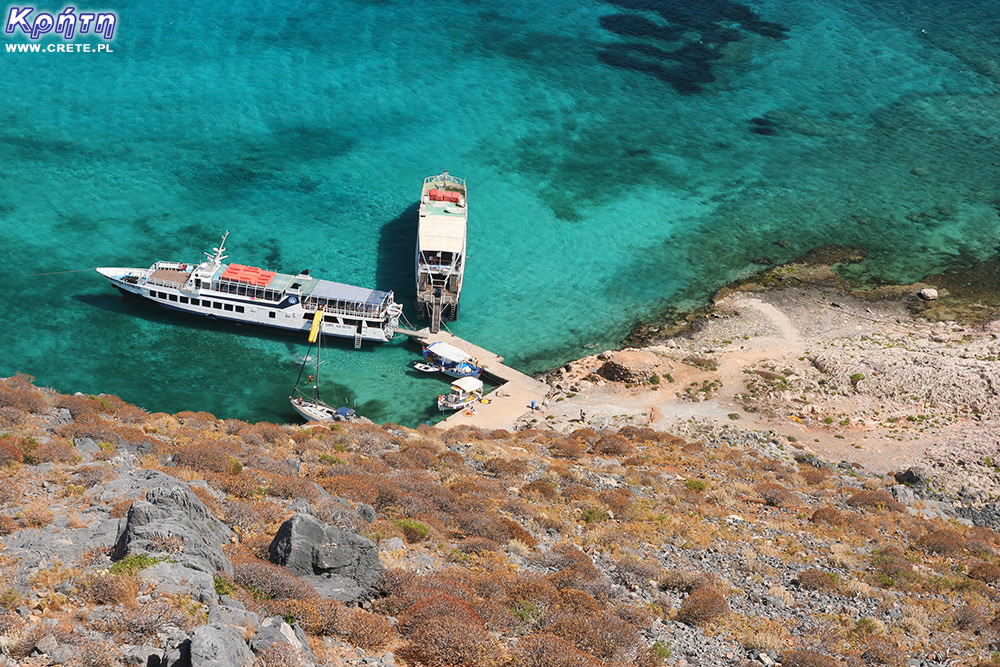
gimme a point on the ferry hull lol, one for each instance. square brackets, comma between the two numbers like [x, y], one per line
[286, 315]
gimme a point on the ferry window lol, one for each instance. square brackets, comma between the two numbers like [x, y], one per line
[216, 305]
[195, 302]
[173, 297]
[272, 314]
[229, 306]
[184, 299]
[239, 309]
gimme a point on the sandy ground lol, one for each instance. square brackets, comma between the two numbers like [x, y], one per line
[807, 369]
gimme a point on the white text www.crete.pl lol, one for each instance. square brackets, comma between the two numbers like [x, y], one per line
[59, 48]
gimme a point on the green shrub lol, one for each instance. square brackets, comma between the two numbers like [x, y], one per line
[135, 563]
[594, 515]
[696, 485]
[413, 531]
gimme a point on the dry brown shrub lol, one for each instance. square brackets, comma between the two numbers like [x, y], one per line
[547, 650]
[815, 580]
[316, 615]
[984, 571]
[686, 580]
[286, 486]
[271, 433]
[882, 651]
[8, 525]
[10, 452]
[55, 451]
[138, 625]
[242, 485]
[395, 582]
[121, 508]
[575, 601]
[477, 545]
[437, 606]
[281, 655]
[806, 658]
[829, 515]
[702, 606]
[207, 456]
[369, 631]
[875, 499]
[77, 405]
[269, 579]
[578, 492]
[512, 468]
[618, 501]
[91, 475]
[89, 425]
[446, 641]
[614, 445]
[18, 392]
[567, 449]
[944, 542]
[358, 488]
[110, 589]
[814, 475]
[36, 516]
[985, 534]
[97, 653]
[604, 636]
[634, 573]
[774, 495]
[234, 426]
[970, 618]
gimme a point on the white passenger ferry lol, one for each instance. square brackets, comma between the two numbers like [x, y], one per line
[441, 247]
[249, 295]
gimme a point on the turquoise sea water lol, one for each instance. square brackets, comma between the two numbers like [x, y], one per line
[623, 158]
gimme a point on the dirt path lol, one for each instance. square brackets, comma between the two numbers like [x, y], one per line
[759, 330]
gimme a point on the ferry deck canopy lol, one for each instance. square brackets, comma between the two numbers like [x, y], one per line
[442, 232]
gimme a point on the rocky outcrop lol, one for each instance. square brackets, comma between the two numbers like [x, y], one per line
[338, 563]
[275, 631]
[173, 521]
[629, 366]
[219, 646]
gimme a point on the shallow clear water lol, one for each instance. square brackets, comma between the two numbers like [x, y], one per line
[623, 158]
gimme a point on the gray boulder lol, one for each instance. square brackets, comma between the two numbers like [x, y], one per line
[142, 656]
[903, 494]
[219, 646]
[172, 513]
[338, 563]
[275, 630]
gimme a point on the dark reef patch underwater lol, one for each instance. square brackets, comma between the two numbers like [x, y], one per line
[624, 158]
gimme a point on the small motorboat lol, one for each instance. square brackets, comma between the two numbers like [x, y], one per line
[452, 361]
[426, 368]
[464, 392]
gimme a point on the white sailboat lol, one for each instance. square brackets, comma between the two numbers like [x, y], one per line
[305, 399]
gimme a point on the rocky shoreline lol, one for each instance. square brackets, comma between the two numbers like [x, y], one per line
[792, 357]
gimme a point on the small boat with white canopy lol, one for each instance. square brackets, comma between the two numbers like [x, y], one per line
[451, 360]
[464, 392]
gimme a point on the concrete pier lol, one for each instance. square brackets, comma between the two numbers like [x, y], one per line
[508, 402]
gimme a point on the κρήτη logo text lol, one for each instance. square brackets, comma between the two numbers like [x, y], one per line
[67, 23]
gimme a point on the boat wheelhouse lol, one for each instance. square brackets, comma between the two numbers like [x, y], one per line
[255, 296]
[451, 360]
[464, 392]
[441, 248]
